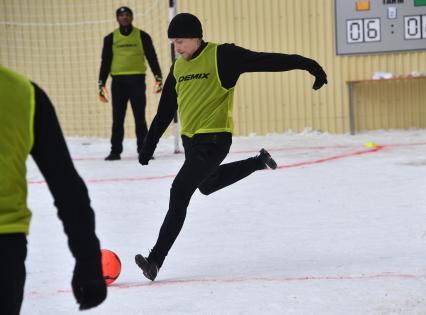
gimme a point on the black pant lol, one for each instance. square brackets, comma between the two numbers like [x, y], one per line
[123, 89]
[202, 170]
[13, 249]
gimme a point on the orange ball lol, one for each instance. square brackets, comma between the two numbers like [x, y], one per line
[111, 266]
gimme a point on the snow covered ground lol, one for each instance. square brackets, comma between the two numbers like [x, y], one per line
[339, 228]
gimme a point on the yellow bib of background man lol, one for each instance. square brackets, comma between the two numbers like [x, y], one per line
[16, 139]
[204, 105]
[128, 55]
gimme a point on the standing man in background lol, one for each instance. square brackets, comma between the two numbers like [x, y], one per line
[200, 85]
[28, 125]
[123, 55]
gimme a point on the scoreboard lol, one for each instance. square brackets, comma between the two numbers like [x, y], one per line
[374, 26]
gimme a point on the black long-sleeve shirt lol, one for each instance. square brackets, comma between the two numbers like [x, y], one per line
[69, 192]
[232, 61]
[148, 47]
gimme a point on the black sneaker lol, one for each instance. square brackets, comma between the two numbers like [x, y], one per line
[267, 160]
[113, 157]
[150, 270]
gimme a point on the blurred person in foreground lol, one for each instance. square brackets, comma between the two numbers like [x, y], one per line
[123, 56]
[200, 86]
[29, 126]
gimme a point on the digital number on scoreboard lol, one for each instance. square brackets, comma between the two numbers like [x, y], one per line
[373, 26]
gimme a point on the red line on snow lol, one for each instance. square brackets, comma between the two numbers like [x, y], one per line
[283, 166]
[111, 180]
[223, 280]
[299, 148]
[324, 147]
[331, 158]
[384, 275]
[93, 158]
[128, 179]
[300, 164]
[334, 157]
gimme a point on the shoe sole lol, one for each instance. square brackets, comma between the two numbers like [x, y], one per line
[270, 162]
[144, 265]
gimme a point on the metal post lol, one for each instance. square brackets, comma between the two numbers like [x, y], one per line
[172, 13]
[351, 109]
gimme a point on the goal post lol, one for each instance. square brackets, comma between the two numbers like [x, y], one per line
[172, 13]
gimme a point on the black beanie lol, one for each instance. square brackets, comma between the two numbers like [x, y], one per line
[185, 25]
[122, 10]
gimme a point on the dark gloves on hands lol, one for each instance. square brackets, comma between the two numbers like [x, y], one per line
[103, 92]
[147, 151]
[320, 77]
[144, 157]
[158, 85]
[88, 283]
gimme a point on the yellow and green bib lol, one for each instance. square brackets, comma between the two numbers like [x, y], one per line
[128, 55]
[17, 105]
[204, 105]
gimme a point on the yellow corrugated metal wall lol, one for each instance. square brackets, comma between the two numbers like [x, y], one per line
[390, 104]
[58, 44]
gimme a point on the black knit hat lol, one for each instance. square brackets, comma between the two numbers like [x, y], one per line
[122, 10]
[185, 25]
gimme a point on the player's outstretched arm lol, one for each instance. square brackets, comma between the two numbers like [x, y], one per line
[234, 61]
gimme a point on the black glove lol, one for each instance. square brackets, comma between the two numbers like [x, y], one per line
[158, 85]
[320, 78]
[144, 157]
[103, 92]
[88, 283]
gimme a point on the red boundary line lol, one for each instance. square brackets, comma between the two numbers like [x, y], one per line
[333, 158]
[223, 280]
[324, 147]
[383, 275]
[301, 164]
[241, 151]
